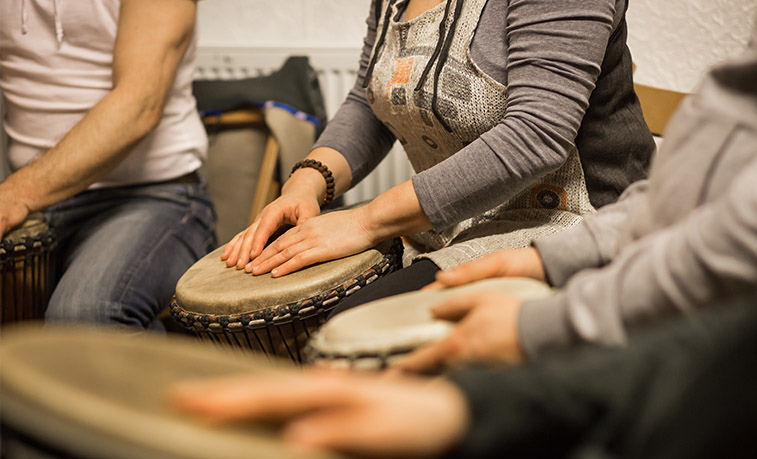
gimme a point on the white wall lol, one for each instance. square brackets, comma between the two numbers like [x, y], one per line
[290, 23]
[675, 41]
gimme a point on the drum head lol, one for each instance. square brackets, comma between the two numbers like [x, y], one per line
[30, 228]
[209, 287]
[404, 322]
[96, 394]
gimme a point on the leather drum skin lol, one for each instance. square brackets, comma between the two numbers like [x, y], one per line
[376, 334]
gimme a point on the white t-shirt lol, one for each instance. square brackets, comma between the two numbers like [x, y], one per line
[56, 64]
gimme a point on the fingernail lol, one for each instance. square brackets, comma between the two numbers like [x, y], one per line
[274, 272]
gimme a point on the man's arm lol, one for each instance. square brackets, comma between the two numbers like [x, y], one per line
[153, 36]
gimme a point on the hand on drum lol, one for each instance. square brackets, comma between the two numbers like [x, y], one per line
[288, 209]
[13, 212]
[503, 263]
[336, 410]
[487, 331]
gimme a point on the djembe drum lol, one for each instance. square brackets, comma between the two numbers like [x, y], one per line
[272, 315]
[26, 271]
[77, 392]
[376, 334]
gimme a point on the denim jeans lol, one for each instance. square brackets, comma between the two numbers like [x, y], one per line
[122, 250]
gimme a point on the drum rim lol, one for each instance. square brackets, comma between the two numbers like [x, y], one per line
[43, 241]
[299, 310]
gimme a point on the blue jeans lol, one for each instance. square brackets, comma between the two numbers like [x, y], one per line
[122, 250]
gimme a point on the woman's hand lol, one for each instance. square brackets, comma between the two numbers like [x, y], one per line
[487, 332]
[293, 208]
[326, 237]
[363, 414]
[503, 263]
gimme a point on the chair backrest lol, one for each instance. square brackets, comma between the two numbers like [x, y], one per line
[658, 105]
[242, 168]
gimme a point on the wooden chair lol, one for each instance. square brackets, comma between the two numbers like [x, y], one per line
[658, 105]
[268, 186]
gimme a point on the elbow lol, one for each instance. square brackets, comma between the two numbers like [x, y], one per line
[147, 119]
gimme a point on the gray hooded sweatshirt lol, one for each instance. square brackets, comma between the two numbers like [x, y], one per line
[672, 243]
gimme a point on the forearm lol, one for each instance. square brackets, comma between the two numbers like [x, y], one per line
[711, 255]
[87, 153]
[394, 213]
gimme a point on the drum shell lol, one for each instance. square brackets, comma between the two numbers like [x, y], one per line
[27, 272]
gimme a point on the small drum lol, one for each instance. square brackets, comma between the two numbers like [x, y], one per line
[272, 315]
[76, 392]
[377, 334]
[26, 271]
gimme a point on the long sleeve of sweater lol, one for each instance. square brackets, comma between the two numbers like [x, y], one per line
[354, 131]
[553, 59]
[593, 243]
[710, 255]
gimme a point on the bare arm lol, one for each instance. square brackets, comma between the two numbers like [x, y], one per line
[153, 36]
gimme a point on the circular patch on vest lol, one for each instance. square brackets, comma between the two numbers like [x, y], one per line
[399, 137]
[430, 142]
[548, 197]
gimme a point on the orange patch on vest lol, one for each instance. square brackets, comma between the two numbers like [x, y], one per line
[401, 75]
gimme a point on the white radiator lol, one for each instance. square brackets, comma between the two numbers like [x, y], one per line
[336, 68]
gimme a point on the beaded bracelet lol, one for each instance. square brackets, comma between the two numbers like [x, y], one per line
[327, 175]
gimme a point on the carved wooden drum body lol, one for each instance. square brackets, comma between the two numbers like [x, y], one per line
[26, 271]
[272, 315]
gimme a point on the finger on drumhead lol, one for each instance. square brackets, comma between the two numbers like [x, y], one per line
[297, 262]
[232, 249]
[266, 228]
[436, 285]
[425, 360]
[466, 273]
[454, 308]
[229, 246]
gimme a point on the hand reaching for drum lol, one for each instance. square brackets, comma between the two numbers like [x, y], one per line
[503, 263]
[13, 212]
[487, 331]
[356, 413]
[322, 238]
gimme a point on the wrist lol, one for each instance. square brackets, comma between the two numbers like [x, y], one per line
[306, 181]
[326, 174]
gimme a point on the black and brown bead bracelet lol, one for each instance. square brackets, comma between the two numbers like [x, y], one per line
[325, 172]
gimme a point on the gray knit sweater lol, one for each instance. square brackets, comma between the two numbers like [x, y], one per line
[678, 241]
[568, 73]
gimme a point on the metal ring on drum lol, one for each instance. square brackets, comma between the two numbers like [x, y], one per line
[26, 271]
[375, 335]
[274, 316]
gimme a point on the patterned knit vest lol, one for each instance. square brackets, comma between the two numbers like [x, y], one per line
[470, 103]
